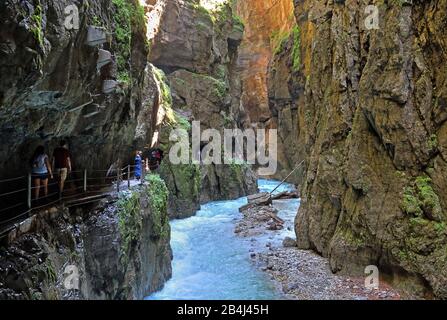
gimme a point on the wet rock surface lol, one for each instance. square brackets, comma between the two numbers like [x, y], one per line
[51, 89]
[363, 107]
[197, 49]
[109, 258]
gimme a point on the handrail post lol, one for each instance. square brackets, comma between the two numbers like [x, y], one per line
[118, 180]
[128, 176]
[85, 180]
[143, 172]
[29, 191]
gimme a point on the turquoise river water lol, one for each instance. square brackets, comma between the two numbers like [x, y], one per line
[211, 262]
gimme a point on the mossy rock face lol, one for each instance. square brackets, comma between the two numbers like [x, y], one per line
[158, 202]
[130, 213]
[129, 222]
[227, 181]
[183, 182]
[420, 200]
[129, 19]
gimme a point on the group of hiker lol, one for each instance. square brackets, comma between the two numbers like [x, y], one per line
[150, 159]
[42, 169]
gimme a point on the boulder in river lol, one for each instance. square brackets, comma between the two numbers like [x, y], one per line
[289, 242]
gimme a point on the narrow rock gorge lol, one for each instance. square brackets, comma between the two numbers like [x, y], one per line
[366, 109]
[117, 80]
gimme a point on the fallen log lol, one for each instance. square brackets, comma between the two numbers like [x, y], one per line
[285, 195]
[276, 218]
[261, 199]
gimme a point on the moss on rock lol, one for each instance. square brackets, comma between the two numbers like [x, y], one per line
[296, 49]
[158, 201]
[129, 221]
[420, 199]
[129, 16]
[184, 183]
[36, 20]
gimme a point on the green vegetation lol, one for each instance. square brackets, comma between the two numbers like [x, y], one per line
[238, 23]
[186, 180]
[221, 73]
[420, 199]
[429, 199]
[182, 122]
[201, 9]
[218, 15]
[433, 142]
[400, 174]
[397, 3]
[348, 236]
[308, 117]
[129, 16]
[166, 96]
[296, 49]
[220, 86]
[50, 272]
[278, 40]
[237, 165]
[440, 227]
[228, 120]
[158, 201]
[130, 219]
[97, 22]
[130, 222]
[411, 204]
[418, 222]
[36, 20]
[163, 83]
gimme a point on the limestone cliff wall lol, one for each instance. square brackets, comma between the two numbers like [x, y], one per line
[50, 87]
[267, 22]
[268, 25]
[370, 114]
[196, 47]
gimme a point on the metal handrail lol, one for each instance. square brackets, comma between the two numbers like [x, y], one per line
[117, 179]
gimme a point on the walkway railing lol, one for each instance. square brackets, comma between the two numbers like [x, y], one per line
[90, 184]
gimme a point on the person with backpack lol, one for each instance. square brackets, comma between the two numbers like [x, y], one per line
[153, 157]
[62, 163]
[40, 171]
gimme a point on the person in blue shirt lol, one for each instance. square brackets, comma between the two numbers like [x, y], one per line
[138, 165]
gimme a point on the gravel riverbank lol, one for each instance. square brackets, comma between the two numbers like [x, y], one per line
[301, 274]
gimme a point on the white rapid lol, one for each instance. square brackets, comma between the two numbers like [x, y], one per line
[211, 262]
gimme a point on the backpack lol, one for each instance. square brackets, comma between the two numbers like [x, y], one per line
[155, 157]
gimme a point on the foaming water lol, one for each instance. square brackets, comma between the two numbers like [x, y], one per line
[210, 261]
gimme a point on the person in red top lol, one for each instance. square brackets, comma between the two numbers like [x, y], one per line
[62, 163]
[153, 158]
